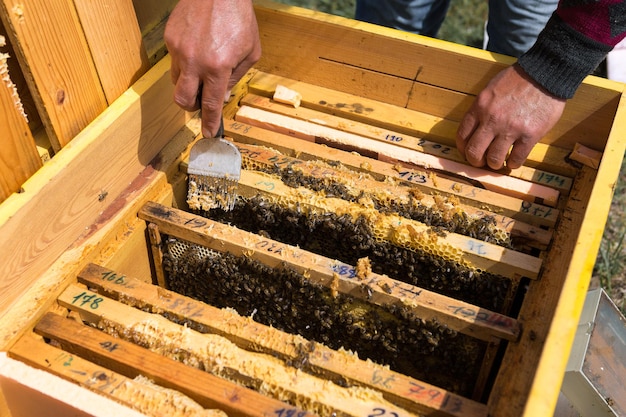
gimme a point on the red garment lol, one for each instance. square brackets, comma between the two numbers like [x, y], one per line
[602, 21]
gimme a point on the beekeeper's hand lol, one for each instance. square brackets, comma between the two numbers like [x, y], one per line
[506, 120]
[212, 43]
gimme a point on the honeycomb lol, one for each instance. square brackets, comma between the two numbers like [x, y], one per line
[444, 215]
[348, 239]
[284, 299]
[368, 229]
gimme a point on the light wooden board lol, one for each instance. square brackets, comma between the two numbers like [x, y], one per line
[154, 43]
[371, 61]
[386, 151]
[269, 375]
[115, 43]
[451, 159]
[152, 17]
[35, 392]
[71, 191]
[132, 360]
[415, 395]
[384, 192]
[54, 55]
[467, 319]
[428, 182]
[425, 124]
[150, 13]
[342, 51]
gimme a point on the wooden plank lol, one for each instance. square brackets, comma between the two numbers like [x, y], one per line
[107, 383]
[130, 360]
[345, 48]
[467, 319]
[269, 375]
[417, 143]
[423, 123]
[480, 198]
[35, 391]
[19, 158]
[152, 17]
[115, 42]
[54, 55]
[439, 101]
[352, 107]
[389, 152]
[414, 395]
[59, 203]
[586, 156]
[384, 192]
[397, 230]
[154, 44]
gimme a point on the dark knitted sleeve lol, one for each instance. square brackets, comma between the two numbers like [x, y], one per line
[576, 39]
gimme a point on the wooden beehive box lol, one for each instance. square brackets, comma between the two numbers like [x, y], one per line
[84, 242]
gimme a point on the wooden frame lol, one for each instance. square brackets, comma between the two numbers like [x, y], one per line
[48, 237]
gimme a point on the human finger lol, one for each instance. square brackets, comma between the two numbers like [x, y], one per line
[520, 151]
[212, 101]
[497, 151]
[477, 145]
[186, 91]
[466, 129]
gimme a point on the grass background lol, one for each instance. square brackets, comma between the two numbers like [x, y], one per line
[464, 24]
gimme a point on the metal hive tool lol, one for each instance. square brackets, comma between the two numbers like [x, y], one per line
[214, 170]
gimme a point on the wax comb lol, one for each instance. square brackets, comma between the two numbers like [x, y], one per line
[214, 169]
